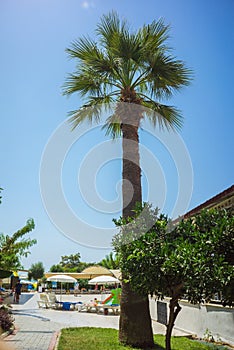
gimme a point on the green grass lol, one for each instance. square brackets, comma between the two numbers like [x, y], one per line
[87, 338]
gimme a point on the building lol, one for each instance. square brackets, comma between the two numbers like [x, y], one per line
[223, 200]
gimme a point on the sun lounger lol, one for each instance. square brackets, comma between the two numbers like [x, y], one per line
[103, 307]
[54, 302]
[45, 302]
[88, 307]
[99, 307]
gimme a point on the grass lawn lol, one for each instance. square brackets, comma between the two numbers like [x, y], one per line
[88, 338]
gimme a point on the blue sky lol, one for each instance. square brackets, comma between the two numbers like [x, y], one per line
[33, 68]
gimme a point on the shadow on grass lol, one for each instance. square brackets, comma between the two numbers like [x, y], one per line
[156, 347]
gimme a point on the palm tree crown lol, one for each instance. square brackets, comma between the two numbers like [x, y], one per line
[123, 66]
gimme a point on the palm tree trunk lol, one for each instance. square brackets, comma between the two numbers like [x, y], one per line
[135, 321]
[131, 169]
[135, 328]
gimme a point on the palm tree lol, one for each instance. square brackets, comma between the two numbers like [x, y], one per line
[137, 70]
[111, 261]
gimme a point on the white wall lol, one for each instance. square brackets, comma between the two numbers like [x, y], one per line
[196, 319]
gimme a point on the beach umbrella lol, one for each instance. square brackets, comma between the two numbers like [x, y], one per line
[26, 282]
[62, 279]
[104, 280]
[94, 271]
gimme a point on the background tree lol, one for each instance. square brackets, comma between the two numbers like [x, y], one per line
[83, 265]
[193, 261]
[83, 283]
[70, 263]
[12, 248]
[36, 271]
[56, 268]
[111, 261]
[137, 68]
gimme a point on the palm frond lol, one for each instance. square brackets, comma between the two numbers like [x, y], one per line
[84, 113]
[110, 26]
[88, 80]
[113, 126]
[84, 84]
[162, 115]
[166, 75]
[83, 48]
[114, 34]
[91, 111]
[89, 54]
[154, 36]
[126, 46]
[93, 73]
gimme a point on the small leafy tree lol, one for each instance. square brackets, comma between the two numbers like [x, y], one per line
[36, 271]
[193, 260]
[12, 248]
[6, 318]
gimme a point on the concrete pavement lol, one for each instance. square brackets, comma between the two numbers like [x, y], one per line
[37, 329]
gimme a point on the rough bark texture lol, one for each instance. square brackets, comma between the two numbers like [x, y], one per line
[135, 328]
[135, 321]
[131, 169]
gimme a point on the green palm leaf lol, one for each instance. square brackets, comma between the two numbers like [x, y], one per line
[164, 116]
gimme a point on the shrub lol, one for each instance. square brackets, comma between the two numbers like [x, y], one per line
[6, 318]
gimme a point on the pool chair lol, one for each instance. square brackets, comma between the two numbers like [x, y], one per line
[79, 306]
[88, 307]
[115, 308]
[54, 302]
[45, 302]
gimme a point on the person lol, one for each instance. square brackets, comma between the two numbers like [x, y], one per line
[18, 287]
[76, 289]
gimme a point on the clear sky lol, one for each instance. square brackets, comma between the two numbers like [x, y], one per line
[33, 68]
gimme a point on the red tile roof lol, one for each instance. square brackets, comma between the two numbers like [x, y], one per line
[212, 201]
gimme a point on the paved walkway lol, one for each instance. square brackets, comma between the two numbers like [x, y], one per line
[37, 329]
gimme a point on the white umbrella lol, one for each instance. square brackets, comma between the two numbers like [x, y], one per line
[26, 282]
[104, 280]
[62, 279]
